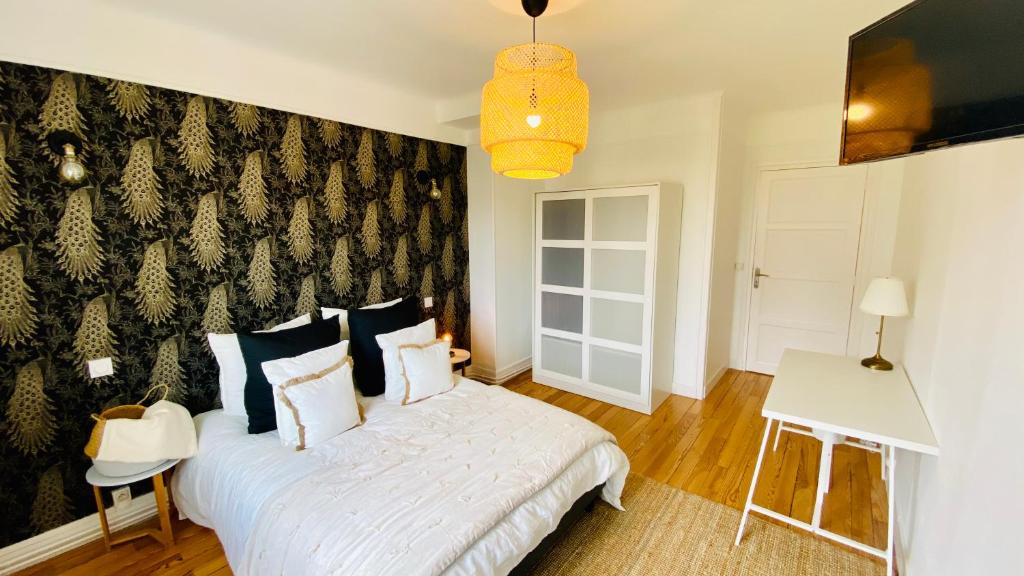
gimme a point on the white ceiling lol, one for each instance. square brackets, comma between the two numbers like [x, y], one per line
[765, 53]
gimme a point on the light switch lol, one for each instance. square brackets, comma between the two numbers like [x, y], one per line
[101, 367]
[428, 302]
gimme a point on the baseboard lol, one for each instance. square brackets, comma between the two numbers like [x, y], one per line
[687, 391]
[715, 379]
[491, 376]
[74, 534]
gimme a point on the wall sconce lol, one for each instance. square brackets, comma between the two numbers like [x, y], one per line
[422, 177]
[66, 144]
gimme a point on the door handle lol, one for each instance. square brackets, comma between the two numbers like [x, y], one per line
[757, 277]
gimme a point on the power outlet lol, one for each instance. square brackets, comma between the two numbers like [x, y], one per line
[122, 497]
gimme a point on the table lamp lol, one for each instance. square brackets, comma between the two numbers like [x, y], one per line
[884, 297]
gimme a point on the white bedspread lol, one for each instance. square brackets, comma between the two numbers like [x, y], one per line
[463, 483]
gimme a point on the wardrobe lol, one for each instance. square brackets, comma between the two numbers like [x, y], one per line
[607, 264]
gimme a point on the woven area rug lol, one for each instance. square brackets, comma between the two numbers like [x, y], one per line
[667, 531]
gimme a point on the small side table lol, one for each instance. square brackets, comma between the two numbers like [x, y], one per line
[459, 359]
[100, 481]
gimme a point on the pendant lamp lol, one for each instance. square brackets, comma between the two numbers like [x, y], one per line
[533, 114]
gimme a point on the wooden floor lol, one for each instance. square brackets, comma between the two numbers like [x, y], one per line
[706, 447]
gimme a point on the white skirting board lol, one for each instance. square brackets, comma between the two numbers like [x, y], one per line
[488, 376]
[74, 534]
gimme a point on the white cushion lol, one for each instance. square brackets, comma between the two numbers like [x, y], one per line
[231, 365]
[323, 404]
[282, 370]
[394, 382]
[342, 314]
[427, 370]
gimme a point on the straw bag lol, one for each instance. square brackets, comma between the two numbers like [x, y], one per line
[132, 438]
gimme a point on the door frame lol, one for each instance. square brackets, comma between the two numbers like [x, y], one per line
[868, 207]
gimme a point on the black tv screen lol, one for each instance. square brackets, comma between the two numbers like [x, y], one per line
[934, 74]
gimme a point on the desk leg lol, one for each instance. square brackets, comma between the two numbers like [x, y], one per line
[102, 513]
[828, 440]
[890, 463]
[753, 481]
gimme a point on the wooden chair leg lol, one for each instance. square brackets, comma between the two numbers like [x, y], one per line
[160, 493]
[101, 511]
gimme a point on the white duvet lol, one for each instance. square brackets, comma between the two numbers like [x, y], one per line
[467, 482]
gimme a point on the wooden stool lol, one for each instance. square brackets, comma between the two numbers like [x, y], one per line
[99, 481]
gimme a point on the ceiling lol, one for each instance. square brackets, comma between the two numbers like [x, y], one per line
[766, 54]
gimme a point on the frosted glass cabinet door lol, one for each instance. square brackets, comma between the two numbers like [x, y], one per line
[561, 356]
[620, 218]
[561, 312]
[563, 219]
[617, 320]
[615, 369]
[562, 266]
[617, 270]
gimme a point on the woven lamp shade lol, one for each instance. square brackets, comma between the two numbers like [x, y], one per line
[533, 116]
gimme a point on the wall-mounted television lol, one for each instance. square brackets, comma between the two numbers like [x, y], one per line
[936, 73]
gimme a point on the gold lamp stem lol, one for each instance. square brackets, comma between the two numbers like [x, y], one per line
[876, 362]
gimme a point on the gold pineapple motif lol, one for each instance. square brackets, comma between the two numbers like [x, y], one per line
[424, 232]
[252, 190]
[293, 151]
[396, 199]
[444, 153]
[140, 186]
[261, 283]
[195, 145]
[448, 259]
[400, 263]
[305, 303]
[167, 370]
[394, 142]
[94, 339]
[366, 168]
[17, 312]
[206, 238]
[447, 209]
[8, 195]
[465, 286]
[427, 283]
[30, 422]
[217, 317]
[129, 99]
[154, 288]
[370, 233]
[78, 249]
[462, 172]
[341, 273]
[375, 292]
[300, 232]
[51, 508]
[421, 163]
[334, 193]
[448, 317]
[330, 132]
[245, 117]
[60, 111]
[465, 232]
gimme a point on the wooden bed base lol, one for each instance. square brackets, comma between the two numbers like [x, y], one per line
[582, 505]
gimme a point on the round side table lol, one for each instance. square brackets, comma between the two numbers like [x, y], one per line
[459, 359]
[100, 481]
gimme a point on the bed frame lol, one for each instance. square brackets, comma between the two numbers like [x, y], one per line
[580, 507]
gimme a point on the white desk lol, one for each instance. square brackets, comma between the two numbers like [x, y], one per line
[837, 398]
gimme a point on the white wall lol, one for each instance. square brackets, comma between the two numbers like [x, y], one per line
[115, 41]
[958, 247]
[672, 141]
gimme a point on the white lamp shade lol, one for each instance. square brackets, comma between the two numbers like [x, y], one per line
[885, 297]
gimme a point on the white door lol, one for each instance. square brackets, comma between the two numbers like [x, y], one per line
[807, 230]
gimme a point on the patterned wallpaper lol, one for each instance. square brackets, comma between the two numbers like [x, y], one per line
[198, 215]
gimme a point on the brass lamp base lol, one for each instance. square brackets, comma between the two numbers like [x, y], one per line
[876, 362]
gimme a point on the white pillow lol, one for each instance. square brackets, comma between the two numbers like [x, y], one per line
[394, 382]
[323, 404]
[231, 365]
[342, 314]
[280, 371]
[427, 370]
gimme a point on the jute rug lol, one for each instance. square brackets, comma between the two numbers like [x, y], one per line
[668, 531]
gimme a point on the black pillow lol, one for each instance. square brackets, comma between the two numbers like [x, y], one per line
[261, 347]
[364, 324]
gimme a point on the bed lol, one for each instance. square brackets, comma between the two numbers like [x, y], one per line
[468, 482]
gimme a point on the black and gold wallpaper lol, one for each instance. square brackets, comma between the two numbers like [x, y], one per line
[198, 215]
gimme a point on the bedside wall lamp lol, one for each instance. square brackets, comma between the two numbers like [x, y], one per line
[66, 144]
[423, 177]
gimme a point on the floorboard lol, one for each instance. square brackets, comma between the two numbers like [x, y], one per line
[707, 447]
